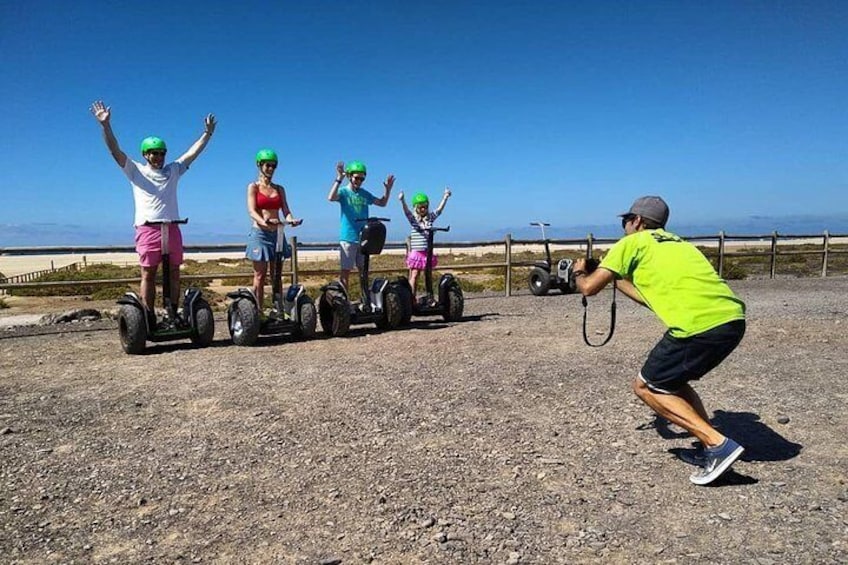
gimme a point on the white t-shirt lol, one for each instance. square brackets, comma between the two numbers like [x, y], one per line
[154, 190]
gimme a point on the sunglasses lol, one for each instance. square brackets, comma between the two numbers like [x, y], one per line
[272, 164]
[156, 153]
[626, 219]
[358, 178]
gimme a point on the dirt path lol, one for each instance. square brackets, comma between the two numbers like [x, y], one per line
[500, 439]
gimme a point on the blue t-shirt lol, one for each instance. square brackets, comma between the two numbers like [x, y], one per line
[354, 206]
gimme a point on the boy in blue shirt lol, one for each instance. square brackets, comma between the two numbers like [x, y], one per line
[354, 201]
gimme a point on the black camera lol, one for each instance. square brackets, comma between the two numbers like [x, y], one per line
[566, 271]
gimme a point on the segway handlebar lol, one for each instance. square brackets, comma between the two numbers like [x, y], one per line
[165, 222]
[542, 226]
[279, 222]
[434, 228]
[374, 219]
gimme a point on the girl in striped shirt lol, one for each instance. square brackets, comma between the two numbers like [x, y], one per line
[421, 219]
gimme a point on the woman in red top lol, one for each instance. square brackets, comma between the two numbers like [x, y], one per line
[265, 200]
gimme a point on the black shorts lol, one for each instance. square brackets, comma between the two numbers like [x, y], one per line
[675, 361]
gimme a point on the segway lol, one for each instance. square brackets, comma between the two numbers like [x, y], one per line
[380, 303]
[448, 303]
[292, 312]
[138, 325]
[542, 279]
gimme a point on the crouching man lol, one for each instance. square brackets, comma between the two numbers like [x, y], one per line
[705, 322]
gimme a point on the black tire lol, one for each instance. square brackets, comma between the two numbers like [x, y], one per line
[392, 310]
[455, 304]
[334, 312]
[539, 281]
[308, 318]
[405, 297]
[244, 322]
[204, 325]
[132, 327]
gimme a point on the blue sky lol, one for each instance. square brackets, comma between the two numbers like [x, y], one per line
[561, 111]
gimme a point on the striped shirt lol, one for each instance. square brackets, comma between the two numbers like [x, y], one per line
[418, 235]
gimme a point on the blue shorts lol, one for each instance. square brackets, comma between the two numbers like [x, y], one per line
[675, 361]
[262, 244]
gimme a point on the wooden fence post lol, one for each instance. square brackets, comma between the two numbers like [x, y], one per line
[508, 274]
[773, 266]
[825, 245]
[721, 253]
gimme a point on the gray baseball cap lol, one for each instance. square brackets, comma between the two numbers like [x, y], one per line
[650, 207]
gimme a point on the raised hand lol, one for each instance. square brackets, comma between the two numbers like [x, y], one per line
[390, 182]
[447, 192]
[340, 168]
[101, 111]
[210, 123]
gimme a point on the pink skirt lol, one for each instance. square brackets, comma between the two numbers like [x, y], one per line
[418, 260]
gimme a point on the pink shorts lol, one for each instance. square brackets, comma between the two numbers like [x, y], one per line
[148, 244]
[418, 260]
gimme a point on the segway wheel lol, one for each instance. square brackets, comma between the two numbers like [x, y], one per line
[204, 325]
[392, 310]
[455, 304]
[132, 328]
[244, 323]
[308, 318]
[334, 313]
[405, 298]
[540, 281]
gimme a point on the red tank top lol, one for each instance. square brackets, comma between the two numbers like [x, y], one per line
[267, 202]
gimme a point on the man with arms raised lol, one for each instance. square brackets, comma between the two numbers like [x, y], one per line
[154, 187]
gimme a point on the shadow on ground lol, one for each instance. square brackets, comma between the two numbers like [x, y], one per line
[761, 442]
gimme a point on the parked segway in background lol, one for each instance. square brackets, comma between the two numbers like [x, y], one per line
[137, 324]
[448, 303]
[379, 304]
[541, 278]
[292, 312]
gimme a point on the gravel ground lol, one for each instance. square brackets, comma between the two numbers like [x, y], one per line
[498, 439]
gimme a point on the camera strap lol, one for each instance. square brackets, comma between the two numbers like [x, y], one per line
[612, 320]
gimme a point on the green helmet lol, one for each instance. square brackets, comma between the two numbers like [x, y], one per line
[355, 167]
[266, 155]
[420, 198]
[152, 143]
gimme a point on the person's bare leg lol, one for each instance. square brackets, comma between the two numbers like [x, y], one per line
[413, 281]
[689, 394]
[678, 410]
[260, 270]
[148, 287]
[343, 276]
